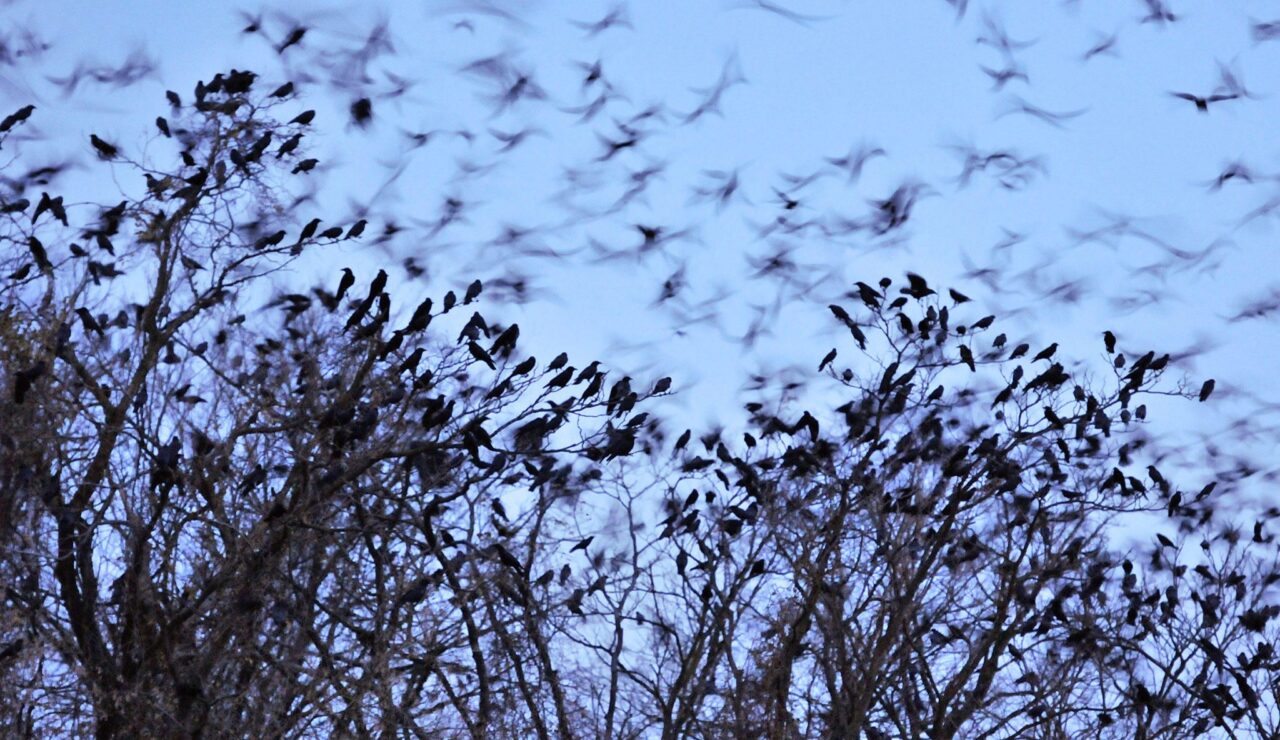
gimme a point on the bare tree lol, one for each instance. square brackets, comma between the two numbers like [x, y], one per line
[231, 509]
[217, 525]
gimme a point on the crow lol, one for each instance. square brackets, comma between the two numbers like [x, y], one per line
[39, 254]
[362, 112]
[18, 116]
[105, 150]
[294, 37]
[1046, 353]
[1202, 103]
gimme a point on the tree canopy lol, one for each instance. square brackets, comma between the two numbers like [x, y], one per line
[239, 503]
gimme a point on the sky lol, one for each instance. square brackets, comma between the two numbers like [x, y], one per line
[1111, 221]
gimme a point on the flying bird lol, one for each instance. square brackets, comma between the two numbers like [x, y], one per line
[1202, 103]
[295, 37]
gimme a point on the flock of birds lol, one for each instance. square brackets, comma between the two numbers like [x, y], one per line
[601, 219]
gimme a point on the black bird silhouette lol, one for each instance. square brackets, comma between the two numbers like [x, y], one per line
[421, 318]
[561, 379]
[24, 379]
[1202, 103]
[362, 112]
[1157, 12]
[857, 158]
[18, 116]
[1053, 118]
[379, 284]
[1265, 31]
[51, 205]
[1104, 45]
[270, 240]
[478, 352]
[39, 254]
[918, 288]
[289, 145]
[90, 323]
[781, 11]
[304, 118]
[294, 37]
[105, 150]
[362, 310]
[309, 230]
[344, 283]
[506, 341]
[616, 16]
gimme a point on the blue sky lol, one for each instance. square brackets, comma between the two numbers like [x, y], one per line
[903, 76]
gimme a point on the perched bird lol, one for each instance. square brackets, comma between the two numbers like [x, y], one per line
[23, 380]
[309, 230]
[269, 240]
[50, 205]
[18, 116]
[104, 149]
[1046, 353]
[38, 253]
[480, 354]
